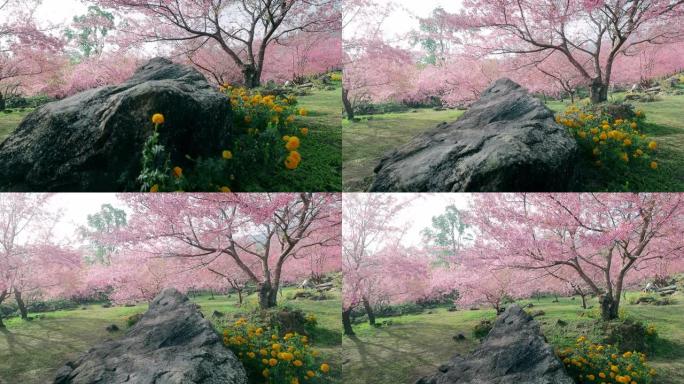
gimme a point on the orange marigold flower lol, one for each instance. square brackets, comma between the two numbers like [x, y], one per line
[292, 143]
[158, 118]
[178, 172]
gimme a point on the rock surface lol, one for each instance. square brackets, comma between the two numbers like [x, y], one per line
[171, 344]
[507, 141]
[515, 351]
[92, 141]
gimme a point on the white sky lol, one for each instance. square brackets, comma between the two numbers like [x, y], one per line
[60, 11]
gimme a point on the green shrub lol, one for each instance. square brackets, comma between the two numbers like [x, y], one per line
[482, 329]
[265, 139]
[268, 357]
[587, 362]
[608, 141]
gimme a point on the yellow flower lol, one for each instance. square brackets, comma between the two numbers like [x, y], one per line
[627, 142]
[325, 368]
[602, 375]
[624, 157]
[595, 139]
[287, 356]
[310, 373]
[652, 145]
[303, 112]
[225, 189]
[633, 125]
[291, 163]
[278, 109]
[614, 368]
[304, 131]
[603, 136]
[293, 143]
[294, 380]
[297, 363]
[227, 155]
[654, 165]
[251, 355]
[591, 377]
[582, 134]
[272, 362]
[263, 352]
[265, 372]
[155, 188]
[290, 118]
[178, 172]
[158, 118]
[627, 355]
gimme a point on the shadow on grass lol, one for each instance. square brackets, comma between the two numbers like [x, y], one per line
[326, 338]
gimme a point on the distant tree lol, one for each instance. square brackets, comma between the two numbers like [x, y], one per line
[106, 221]
[447, 235]
[89, 32]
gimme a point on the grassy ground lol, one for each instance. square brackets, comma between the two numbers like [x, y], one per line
[415, 345]
[31, 352]
[9, 122]
[321, 167]
[366, 140]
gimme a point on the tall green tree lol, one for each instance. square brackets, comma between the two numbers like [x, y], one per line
[89, 32]
[447, 235]
[106, 221]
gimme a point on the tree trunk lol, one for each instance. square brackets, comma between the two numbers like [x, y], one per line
[609, 307]
[346, 322]
[266, 296]
[2, 298]
[369, 311]
[598, 91]
[348, 109]
[2, 103]
[239, 292]
[21, 305]
[251, 76]
[584, 301]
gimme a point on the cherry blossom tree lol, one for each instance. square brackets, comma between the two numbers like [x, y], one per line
[369, 248]
[590, 35]
[243, 30]
[26, 51]
[607, 241]
[256, 235]
[31, 262]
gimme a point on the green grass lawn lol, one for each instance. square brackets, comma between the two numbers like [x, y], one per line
[321, 167]
[415, 345]
[366, 140]
[31, 352]
[9, 122]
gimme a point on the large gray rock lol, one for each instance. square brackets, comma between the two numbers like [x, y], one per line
[515, 351]
[507, 141]
[92, 141]
[171, 344]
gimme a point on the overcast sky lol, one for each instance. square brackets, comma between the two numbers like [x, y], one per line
[60, 11]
